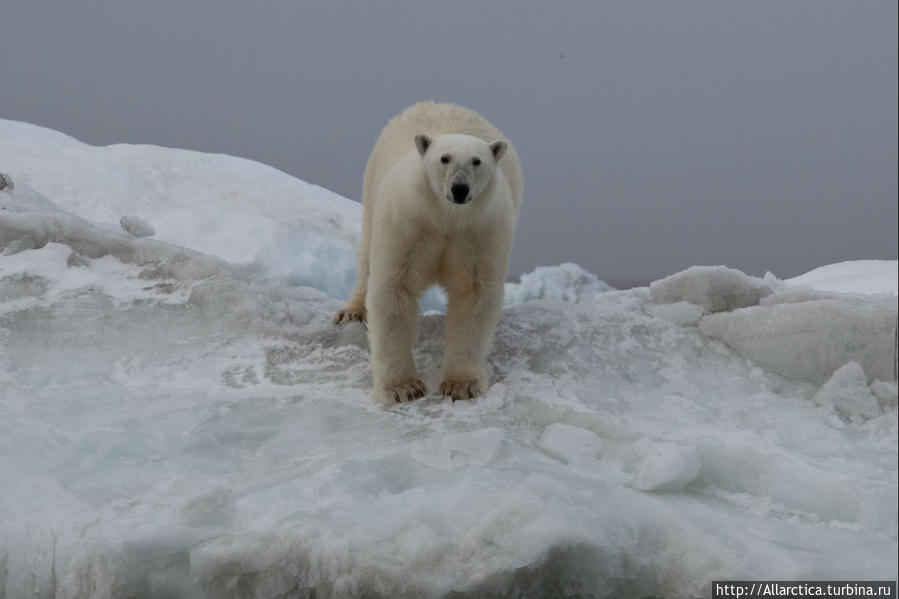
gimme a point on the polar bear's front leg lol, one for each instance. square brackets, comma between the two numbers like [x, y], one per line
[392, 318]
[473, 310]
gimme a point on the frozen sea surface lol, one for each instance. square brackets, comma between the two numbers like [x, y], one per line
[178, 423]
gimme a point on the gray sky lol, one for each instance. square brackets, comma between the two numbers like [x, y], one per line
[653, 135]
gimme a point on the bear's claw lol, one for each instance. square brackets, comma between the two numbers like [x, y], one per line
[458, 390]
[407, 391]
[350, 314]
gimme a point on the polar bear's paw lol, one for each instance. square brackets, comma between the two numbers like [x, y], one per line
[460, 389]
[401, 392]
[351, 312]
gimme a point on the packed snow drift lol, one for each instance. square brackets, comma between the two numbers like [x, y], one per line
[178, 418]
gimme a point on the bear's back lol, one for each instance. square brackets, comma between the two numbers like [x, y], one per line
[433, 119]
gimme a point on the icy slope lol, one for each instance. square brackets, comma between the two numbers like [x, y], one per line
[242, 211]
[868, 277]
[173, 426]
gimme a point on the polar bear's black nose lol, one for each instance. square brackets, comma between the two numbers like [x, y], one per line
[460, 192]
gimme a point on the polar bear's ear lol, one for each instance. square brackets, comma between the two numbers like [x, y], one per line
[422, 142]
[498, 148]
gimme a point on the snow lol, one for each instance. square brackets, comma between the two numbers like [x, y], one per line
[180, 419]
[848, 392]
[868, 277]
[566, 282]
[811, 339]
[680, 312]
[793, 330]
[244, 212]
[665, 467]
[570, 444]
[715, 288]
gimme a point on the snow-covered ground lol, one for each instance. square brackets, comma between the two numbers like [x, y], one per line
[179, 419]
[857, 276]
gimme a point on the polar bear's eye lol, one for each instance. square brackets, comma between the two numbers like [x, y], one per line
[445, 159]
[476, 162]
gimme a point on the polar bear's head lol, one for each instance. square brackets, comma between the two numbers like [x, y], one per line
[459, 167]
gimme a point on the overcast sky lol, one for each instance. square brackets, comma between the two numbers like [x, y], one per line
[653, 135]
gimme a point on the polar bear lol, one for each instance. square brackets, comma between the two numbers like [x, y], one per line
[440, 198]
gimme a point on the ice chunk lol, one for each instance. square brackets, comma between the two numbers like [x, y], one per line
[137, 226]
[811, 339]
[677, 312]
[453, 451]
[715, 288]
[6, 183]
[570, 444]
[848, 392]
[19, 245]
[35, 230]
[22, 198]
[566, 282]
[664, 466]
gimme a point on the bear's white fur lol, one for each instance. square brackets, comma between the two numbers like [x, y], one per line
[440, 199]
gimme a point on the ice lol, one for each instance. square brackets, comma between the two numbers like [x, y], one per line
[676, 312]
[715, 288]
[868, 277]
[566, 282]
[22, 198]
[177, 424]
[887, 393]
[788, 328]
[848, 392]
[570, 444]
[241, 211]
[811, 339]
[458, 450]
[33, 219]
[665, 467]
[137, 226]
